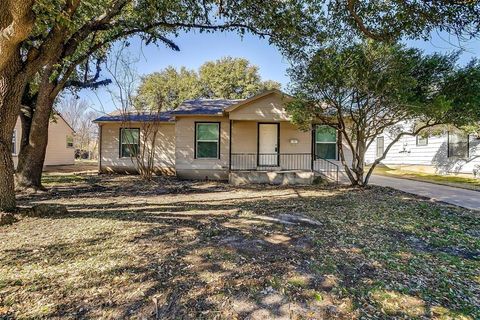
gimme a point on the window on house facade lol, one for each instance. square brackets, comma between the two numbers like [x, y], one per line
[380, 146]
[14, 142]
[207, 140]
[129, 142]
[69, 142]
[457, 145]
[422, 140]
[325, 142]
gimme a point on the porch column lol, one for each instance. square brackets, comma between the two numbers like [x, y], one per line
[230, 146]
[312, 151]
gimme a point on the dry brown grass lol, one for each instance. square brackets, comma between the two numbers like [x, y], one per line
[183, 250]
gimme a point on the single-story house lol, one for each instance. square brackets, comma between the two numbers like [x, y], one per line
[60, 149]
[445, 153]
[248, 140]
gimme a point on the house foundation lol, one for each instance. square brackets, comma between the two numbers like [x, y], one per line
[271, 177]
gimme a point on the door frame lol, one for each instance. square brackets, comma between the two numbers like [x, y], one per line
[278, 144]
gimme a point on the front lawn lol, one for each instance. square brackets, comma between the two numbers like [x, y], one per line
[448, 180]
[189, 250]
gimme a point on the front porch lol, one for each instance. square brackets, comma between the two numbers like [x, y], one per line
[276, 153]
[280, 168]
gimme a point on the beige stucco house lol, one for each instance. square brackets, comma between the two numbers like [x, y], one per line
[60, 150]
[251, 140]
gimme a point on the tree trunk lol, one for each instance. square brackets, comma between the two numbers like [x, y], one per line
[12, 84]
[26, 113]
[32, 154]
[16, 22]
[359, 166]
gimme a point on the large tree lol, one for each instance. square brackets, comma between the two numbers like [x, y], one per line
[168, 87]
[229, 78]
[65, 27]
[232, 78]
[370, 88]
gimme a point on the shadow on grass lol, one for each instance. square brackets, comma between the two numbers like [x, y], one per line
[222, 258]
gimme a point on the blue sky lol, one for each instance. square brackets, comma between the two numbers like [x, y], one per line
[197, 48]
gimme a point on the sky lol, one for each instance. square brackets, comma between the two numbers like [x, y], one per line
[197, 48]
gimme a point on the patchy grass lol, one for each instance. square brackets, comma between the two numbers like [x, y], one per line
[50, 180]
[182, 250]
[448, 180]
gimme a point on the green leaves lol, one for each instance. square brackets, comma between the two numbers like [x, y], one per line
[232, 78]
[379, 77]
[167, 88]
[228, 78]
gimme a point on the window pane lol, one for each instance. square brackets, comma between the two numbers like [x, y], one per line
[326, 134]
[422, 141]
[207, 149]
[14, 142]
[457, 145]
[69, 141]
[207, 131]
[380, 147]
[130, 136]
[129, 150]
[326, 151]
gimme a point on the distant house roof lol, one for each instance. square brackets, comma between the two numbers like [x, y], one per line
[205, 106]
[66, 122]
[165, 116]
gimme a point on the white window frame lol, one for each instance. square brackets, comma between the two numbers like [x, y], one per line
[422, 145]
[14, 142]
[217, 141]
[376, 147]
[467, 146]
[324, 142]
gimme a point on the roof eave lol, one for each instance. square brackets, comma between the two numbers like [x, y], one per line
[198, 115]
[256, 97]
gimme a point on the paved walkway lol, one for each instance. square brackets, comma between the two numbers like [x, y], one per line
[461, 197]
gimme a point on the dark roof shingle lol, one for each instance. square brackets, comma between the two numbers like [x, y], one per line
[136, 117]
[205, 106]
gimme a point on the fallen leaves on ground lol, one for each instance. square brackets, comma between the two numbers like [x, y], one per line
[171, 249]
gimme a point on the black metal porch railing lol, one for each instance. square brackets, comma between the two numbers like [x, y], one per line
[283, 161]
[327, 168]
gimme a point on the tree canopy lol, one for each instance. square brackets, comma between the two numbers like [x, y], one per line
[232, 78]
[167, 88]
[369, 88]
[228, 78]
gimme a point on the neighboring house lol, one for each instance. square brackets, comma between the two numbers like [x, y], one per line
[445, 153]
[60, 150]
[250, 140]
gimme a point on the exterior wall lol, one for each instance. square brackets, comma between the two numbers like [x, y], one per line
[289, 131]
[110, 160]
[187, 167]
[245, 141]
[57, 152]
[244, 138]
[430, 158]
[267, 108]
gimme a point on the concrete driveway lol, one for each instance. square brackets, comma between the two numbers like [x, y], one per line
[460, 197]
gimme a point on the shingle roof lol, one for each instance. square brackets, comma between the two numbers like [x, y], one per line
[136, 117]
[204, 106]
